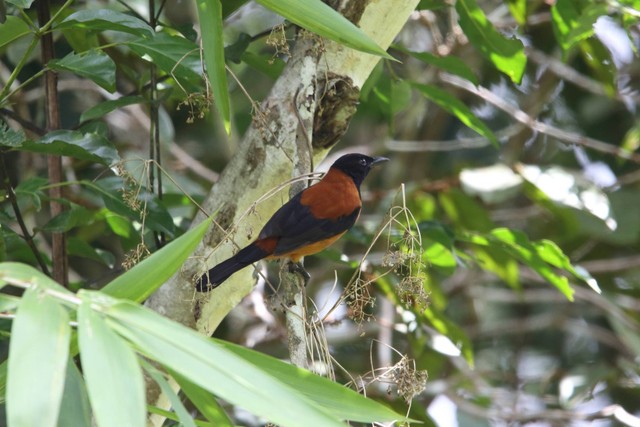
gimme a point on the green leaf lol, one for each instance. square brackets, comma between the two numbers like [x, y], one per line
[12, 29]
[572, 24]
[24, 275]
[519, 245]
[23, 4]
[105, 19]
[340, 401]
[183, 415]
[106, 107]
[70, 218]
[449, 329]
[507, 55]
[147, 276]
[450, 64]
[465, 211]
[75, 409]
[95, 65]
[8, 302]
[80, 248]
[111, 369]
[210, 17]
[214, 368]
[174, 55]
[317, 17]
[518, 9]
[204, 401]
[89, 146]
[38, 354]
[149, 211]
[456, 107]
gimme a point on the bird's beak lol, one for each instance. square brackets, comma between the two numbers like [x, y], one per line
[379, 160]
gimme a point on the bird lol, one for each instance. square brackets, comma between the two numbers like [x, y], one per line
[310, 221]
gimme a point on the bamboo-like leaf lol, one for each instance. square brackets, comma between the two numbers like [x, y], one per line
[183, 415]
[38, 354]
[210, 17]
[341, 401]
[319, 18]
[506, 54]
[214, 368]
[111, 370]
[75, 409]
[95, 65]
[24, 275]
[456, 107]
[147, 276]
[205, 402]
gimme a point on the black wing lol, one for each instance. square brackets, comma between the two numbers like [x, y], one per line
[296, 227]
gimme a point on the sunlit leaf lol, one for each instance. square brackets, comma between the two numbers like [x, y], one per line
[95, 65]
[519, 245]
[38, 355]
[456, 107]
[518, 9]
[317, 17]
[506, 54]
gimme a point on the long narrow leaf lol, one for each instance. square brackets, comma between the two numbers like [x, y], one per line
[457, 108]
[204, 401]
[183, 415]
[112, 373]
[143, 279]
[507, 55]
[214, 368]
[38, 355]
[75, 409]
[343, 402]
[210, 17]
[319, 18]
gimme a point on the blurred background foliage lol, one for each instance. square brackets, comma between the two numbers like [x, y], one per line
[505, 259]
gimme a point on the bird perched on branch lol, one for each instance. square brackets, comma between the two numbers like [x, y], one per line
[312, 220]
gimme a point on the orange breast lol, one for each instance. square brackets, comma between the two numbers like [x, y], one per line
[335, 196]
[311, 249]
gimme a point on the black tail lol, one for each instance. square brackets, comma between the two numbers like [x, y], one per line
[222, 271]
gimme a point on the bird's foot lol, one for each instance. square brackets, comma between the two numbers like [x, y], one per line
[298, 268]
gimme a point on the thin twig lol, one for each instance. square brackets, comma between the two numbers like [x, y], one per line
[535, 125]
[26, 235]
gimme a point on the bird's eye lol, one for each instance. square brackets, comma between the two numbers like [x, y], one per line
[363, 162]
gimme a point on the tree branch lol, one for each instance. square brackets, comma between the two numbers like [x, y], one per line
[58, 240]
